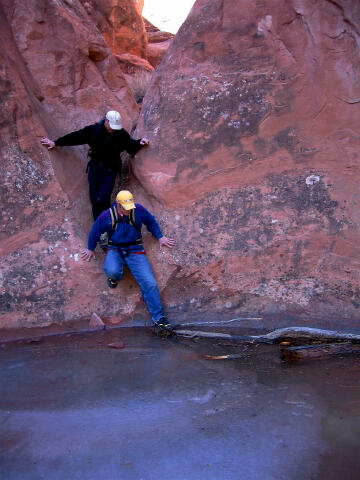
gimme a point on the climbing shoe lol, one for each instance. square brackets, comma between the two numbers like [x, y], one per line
[163, 328]
[111, 283]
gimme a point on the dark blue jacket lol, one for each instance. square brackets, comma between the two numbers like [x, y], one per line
[124, 232]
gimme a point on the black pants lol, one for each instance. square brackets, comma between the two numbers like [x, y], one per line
[101, 184]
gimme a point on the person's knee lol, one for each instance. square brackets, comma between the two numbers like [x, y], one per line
[112, 272]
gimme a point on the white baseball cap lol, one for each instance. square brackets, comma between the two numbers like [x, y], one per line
[114, 118]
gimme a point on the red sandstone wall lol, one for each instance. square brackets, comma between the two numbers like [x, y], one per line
[57, 74]
[254, 120]
[121, 24]
[253, 165]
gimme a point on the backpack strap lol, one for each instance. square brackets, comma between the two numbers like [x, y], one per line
[114, 220]
[132, 220]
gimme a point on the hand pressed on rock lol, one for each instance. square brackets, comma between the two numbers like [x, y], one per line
[47, 143]
[87, 255]
[167, 242]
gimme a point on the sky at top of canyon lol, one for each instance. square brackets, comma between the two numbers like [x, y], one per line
[167, 15]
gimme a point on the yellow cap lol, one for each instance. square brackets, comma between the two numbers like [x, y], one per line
[126, 199]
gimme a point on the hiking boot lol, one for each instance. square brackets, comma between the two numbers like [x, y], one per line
[163, 328]
[163, 324]
[112, 283]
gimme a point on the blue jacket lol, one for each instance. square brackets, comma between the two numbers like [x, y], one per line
[124, 232]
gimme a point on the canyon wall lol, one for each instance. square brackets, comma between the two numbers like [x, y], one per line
[252, 167]
[57, 75]
[254, 121]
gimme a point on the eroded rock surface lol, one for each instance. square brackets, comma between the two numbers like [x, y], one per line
[57, 75]
[253, 117]
[253, 165]
[123, 28]
[158, 43]
[121, 23]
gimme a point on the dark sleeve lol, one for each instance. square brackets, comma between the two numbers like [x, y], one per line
[80, 137]
[131, 146]
[98, 228]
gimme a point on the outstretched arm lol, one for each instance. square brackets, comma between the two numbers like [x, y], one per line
[133, 146]
[80, 137]
[97, 229]
[153, 227]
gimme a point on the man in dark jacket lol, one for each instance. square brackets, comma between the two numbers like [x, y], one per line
[123, 222]
[106, 139]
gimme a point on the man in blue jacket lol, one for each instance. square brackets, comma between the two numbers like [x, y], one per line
[122, 222]
[106, 139]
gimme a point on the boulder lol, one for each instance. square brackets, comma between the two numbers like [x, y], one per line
[158, 43]
[158, 36]
[156, 51]
[253, 119]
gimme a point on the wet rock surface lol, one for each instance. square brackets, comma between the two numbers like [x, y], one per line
[73, 407]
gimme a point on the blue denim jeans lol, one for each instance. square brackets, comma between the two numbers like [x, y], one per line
[140, 268]
[101, 184]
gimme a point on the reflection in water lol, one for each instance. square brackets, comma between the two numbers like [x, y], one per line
[254, 417]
